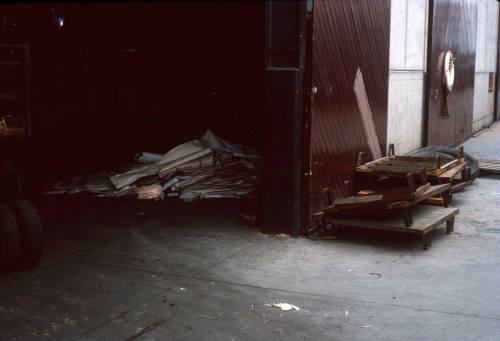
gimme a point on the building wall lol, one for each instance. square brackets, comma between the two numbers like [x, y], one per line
[486, 55]
[406, 73]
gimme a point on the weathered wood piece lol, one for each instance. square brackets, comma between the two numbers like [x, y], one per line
[367, 192]
[452, 172]
[436, 201]
[379, 199]
[432, 191]
[358, 199]
[489, 166]
[422, 189]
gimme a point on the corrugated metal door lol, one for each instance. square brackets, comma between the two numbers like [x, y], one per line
[350, 44]
[452, 27]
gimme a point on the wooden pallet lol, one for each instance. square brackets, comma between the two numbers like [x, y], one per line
[489, 166]
[425, 220]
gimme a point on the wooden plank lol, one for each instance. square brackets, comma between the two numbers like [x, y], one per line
[399, 168]
[489, 161]
[388, 196]
[425, 218]
[408, 164]
[449, 165]
[391, 170]
[422, 189]
[375, 161]
[438, 201]
[366, 116]
[358, 199]
[318, 215]
[489, 166]
[367, 192]
[413, 165]
[415, 158]
[433, 191]
[451, 173]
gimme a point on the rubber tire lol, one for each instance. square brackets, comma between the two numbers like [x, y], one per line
[30, 232]
[10, 241]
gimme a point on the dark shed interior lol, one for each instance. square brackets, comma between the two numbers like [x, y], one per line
[109, 80]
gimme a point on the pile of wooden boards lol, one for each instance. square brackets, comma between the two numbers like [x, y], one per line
[200, 169]
[384, 194]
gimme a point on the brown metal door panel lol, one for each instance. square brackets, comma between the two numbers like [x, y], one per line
[347, 35]
[452, 26]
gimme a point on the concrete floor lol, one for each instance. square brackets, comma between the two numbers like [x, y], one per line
[130, 270]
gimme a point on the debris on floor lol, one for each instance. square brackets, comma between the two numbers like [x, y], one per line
[283, 306]
[282, 235]
[209, 167]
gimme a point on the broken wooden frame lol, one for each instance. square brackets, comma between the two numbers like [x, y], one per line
[439, 171]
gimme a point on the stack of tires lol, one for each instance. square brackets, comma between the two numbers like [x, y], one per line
[21, 236]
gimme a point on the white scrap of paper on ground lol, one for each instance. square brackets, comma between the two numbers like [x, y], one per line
[284, 306]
